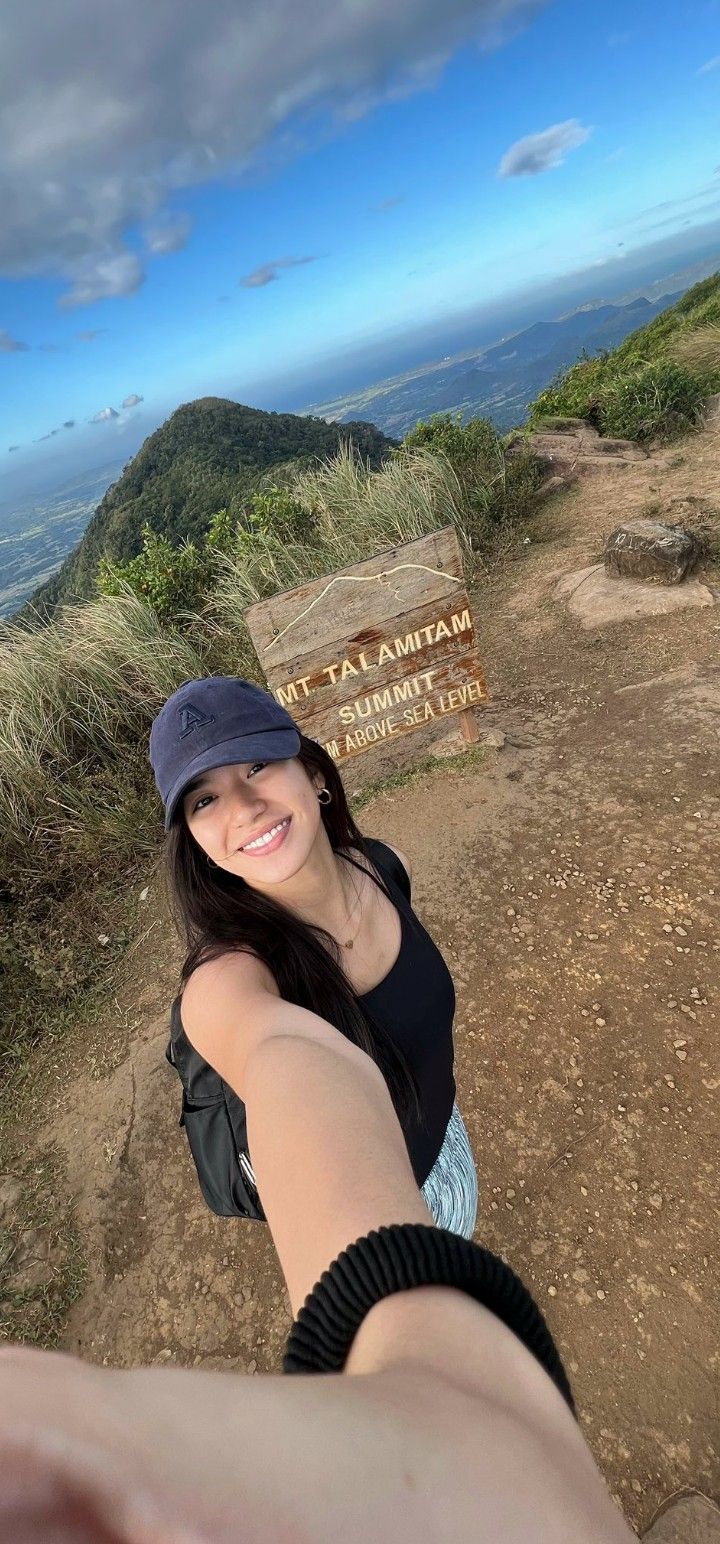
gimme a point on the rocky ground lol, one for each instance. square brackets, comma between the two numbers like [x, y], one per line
[571, 881]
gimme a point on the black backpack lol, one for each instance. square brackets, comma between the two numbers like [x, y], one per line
[214, 1117]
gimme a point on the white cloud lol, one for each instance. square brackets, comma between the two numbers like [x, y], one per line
[542, 152]
[103, 278]
[132, 400]
[105, 415]
[168, 235]
[10, 345]
[109, 111]
[710, 64]
[268, 273]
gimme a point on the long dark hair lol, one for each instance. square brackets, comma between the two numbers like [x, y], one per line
[217, 912]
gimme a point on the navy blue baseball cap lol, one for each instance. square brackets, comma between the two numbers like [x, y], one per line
[214, 723]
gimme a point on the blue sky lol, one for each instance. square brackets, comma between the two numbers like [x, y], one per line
[367, 176]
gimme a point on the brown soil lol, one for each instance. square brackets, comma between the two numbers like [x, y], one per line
[571, 884]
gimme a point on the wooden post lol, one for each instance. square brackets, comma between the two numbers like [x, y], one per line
[469, 727]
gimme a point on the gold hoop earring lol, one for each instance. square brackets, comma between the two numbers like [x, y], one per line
[324, 796]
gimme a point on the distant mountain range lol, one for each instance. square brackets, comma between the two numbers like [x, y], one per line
[211, 453]
[499, 382]
[208, 455]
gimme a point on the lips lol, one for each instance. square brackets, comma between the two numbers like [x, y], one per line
[268, 840]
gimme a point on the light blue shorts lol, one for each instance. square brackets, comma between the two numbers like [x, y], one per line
[451, 1188]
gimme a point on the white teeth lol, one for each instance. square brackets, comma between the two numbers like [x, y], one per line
[262, 841]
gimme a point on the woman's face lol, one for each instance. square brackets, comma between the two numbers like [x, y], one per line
[257, 820]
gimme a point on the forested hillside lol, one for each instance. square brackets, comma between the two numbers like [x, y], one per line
[209, 455]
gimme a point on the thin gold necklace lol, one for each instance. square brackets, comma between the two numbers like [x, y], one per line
[348, 943]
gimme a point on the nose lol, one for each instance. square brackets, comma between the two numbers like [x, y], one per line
[246, 808]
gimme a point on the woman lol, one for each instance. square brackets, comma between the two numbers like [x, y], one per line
[294, 920]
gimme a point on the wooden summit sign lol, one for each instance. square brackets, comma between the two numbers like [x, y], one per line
[374, 651]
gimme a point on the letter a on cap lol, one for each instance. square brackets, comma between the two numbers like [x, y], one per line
[192, 718]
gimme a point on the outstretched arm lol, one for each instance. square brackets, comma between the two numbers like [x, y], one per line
[446, 1428]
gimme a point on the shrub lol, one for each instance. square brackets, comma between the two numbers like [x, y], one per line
[653, 402]
[497, 489]
[577, 394]
[657, 403]
[173, 581]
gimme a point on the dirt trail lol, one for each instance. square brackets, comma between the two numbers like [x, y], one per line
[571, 884]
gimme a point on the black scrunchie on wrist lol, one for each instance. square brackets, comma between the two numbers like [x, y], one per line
[397, 1259]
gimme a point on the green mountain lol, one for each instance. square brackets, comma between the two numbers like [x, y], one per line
[209, 455]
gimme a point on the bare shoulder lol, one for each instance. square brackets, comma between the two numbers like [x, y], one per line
[225, 998]
[404, 859]
[231, 1006]
[236, 970]
[407, 865]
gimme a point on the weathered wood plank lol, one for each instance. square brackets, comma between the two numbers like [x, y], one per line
[377, 650]
[456, 686]
[341, 605]
[428, 636]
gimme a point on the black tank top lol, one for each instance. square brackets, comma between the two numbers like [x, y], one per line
[415, 1004]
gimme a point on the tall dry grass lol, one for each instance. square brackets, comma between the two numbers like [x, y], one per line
[78, 812]
[350, 513]
[76, 697]
[699, 350]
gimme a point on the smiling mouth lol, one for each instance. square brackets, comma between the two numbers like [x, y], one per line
[268, 840]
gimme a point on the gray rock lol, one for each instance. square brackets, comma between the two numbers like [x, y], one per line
[577, 448]
[652, 551]
[596, 599]
[689, 1520]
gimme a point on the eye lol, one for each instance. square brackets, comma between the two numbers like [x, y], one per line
[199, 803]
[257, 767]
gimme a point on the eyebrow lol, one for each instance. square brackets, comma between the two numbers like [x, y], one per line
[195, 784]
